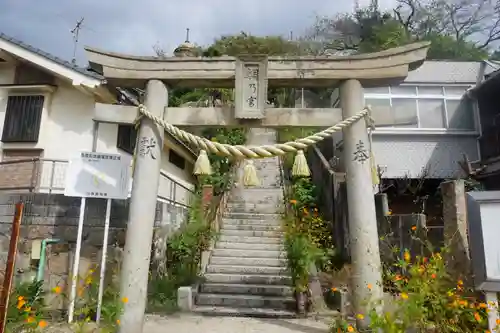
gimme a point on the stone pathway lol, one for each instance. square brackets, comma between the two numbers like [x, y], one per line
[194, 323]
[200, 324]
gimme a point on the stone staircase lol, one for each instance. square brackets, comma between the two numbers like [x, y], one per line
[247, 273]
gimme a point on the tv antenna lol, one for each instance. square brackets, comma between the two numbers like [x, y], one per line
[76, 31]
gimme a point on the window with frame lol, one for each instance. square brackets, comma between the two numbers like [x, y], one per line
[422, 106]
[176, 159]
[127, 138]
[23, 118]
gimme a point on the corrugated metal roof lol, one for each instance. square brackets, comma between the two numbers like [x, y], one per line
[51, 57]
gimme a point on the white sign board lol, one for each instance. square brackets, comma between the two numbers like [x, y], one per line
[483, 211]
[98, 175]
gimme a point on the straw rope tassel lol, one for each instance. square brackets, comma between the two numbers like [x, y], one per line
[300, 167]
[202, 164]
[250, 175]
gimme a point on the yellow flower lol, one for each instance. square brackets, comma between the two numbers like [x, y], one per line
[88, 280]
[28, 309]
[42, 324]
[413, 228]
[350, 329]
[20, 298]
[477, 317]
[404, 295]
[125, 300]
[460, 283]
[482, 305]
[334, 289]
[118, 322]
[498, 321]
[30, 320]
[293, 202]
[406, 256]
[20, 304]
[360, 316]
[57, 290]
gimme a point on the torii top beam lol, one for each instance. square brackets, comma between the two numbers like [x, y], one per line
[372, 69]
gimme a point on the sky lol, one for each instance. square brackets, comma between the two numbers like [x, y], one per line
[113, 25]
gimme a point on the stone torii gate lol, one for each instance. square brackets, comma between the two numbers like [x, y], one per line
[250, 76]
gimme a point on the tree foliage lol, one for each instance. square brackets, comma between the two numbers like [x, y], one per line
[458, 29]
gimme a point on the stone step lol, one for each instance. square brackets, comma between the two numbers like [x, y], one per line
[247, 301]
[250, 239]
[249, 246]
[248, 278]
[223, 311]
[247, 253]
[228, 221]
[256, 194]
[251, 233]
[253, 216]
[254, 208]
[238, 261]
[260, 270]
[253, 289]
[251, 227]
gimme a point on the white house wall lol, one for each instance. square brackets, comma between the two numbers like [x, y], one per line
[67, 127]
[407, 155]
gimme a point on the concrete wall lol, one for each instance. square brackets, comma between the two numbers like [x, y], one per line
[401, 155]
[56, 216]
[67, 127]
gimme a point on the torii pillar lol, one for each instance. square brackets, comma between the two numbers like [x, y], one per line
[366, 279]
[142, 210]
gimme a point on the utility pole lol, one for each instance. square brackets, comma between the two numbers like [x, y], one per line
[75, 32]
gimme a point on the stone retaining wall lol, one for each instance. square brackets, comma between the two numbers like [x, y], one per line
[56, 216]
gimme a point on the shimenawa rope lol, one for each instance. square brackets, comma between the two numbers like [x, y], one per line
[300, 168]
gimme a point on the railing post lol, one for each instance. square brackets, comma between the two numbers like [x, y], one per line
[34, 174]
[52, 172]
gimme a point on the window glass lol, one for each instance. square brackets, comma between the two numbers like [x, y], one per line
[381, 111]
[404, 112]
[456, 91]
[431, 113]
[430, 90]
[377, 90]
[403, 90]
[460, 114]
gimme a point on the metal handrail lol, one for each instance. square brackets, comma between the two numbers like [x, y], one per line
[51, 186]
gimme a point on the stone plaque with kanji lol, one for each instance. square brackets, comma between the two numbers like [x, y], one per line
[250, 87]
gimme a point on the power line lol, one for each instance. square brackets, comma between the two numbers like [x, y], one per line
[76, 32]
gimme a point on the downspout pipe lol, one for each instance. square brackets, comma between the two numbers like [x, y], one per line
[43, 256]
